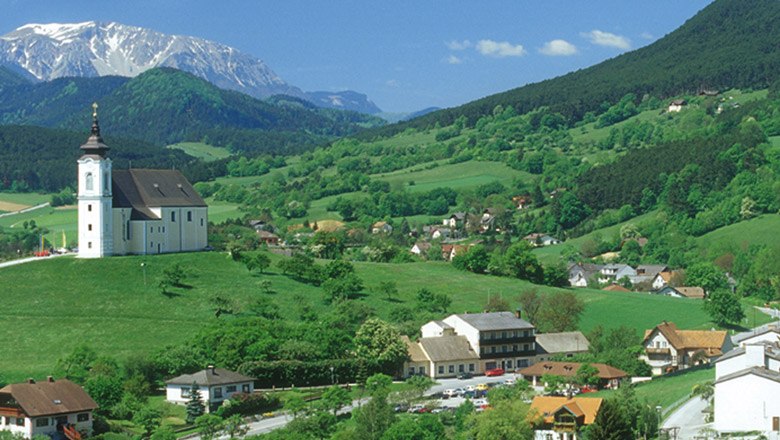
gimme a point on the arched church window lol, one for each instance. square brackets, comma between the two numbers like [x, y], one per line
[89, 183]
[105, 182]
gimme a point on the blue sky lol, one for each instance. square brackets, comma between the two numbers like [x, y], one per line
[405, 55]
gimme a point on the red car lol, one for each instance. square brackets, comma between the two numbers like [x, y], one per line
[495, 372]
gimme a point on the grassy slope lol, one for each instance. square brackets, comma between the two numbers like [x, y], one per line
[202, 151]
[52, 306]
[465, 175]
[29, 199]
[759, 230]
[666, 391]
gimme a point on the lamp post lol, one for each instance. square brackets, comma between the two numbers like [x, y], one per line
[332, 376]
[143, 266]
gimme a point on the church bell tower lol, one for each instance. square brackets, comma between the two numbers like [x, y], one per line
[94, 196]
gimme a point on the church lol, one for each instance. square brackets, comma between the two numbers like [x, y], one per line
[135, 211]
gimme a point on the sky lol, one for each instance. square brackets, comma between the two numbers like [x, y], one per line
[406, 55]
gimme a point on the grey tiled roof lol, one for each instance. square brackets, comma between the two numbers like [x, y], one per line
[495, 321]
[758, 371]
[448, 348]
[209, 376]
[144, 189]
[564, 342]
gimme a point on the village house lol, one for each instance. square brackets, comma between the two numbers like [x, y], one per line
[421, 248]
[455, 221]
[677, 105]
[488, 220]
[562, 418]
[611, 273]
[647, 273]
[268, 238]
[440, 233]
[521, 202]
[609, 376]
[381, 227]
[581, 273]
[566, 344]
[614, 287]
[682, 292]
[669, 349]
[46, 408]
[770, 333]
[444, 355]
[747, 383]
[662, 280]
[538, 239]
[135, 211]
[214, 384]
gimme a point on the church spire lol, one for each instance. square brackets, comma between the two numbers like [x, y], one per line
[95, 145]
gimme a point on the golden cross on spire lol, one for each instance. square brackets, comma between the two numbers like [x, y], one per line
[94, 109]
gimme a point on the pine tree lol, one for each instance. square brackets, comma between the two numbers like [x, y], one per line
[611, 423]
[195, 406]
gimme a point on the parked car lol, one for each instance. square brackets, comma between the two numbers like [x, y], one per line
[401, 407]
[509, 382]
[465, 375]
[471, 388]
[481, 387]
[452, 392]
[495, 372]
[418, 409]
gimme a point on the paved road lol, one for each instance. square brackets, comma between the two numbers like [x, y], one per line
[32, 208]
[689, 417]
[30, 260]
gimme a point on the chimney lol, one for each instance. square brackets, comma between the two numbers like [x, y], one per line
[213, 370]
[518, 313]
[50, 379]
[31, 380]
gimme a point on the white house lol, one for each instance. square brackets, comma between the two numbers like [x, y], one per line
[668, 349]
[134, 211]
[46, 408]
[539, 239]
[770, 333]
[747, 383]
[677, 105]
[214, 384]
[501, 339]
[445, 355]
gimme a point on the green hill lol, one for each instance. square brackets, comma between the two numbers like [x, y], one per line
[727, 44]
[55, 305]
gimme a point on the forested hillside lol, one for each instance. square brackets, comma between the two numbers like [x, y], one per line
[730, 43]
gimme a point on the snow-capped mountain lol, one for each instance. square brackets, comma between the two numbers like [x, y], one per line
[345, 100]
[49, 51]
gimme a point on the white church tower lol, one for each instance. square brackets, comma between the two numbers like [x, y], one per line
[94, 195]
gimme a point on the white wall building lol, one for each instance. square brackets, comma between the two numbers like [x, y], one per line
[501, 339]
[747, 386]
[214, 384]
[135, 211]
[46, 408]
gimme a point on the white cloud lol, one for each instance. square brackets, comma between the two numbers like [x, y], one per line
[459, 45]
[452, 59]
[392, 83]
[602, 38]
[558, 48]
[499, 49]
[647, 36]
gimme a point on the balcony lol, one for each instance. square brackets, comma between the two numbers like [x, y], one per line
[565, 426]
[508, 354]
[663, 351]
[11, 412]
[508, 340]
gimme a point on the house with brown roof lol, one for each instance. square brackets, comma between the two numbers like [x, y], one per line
[668, 348]
[614, 287]
[135, 211]
[562, 418]
[46, 408]
[214, 384]
[381, 227]
[609, 376]
[268, 238]
[682, 292]
[421, 248]
[676, 105]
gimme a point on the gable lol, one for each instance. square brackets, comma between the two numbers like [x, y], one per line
[144, 189]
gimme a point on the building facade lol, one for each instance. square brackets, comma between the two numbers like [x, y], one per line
[215, 385]
[500, 339]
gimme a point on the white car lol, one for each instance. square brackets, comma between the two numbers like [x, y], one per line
[471, 388]
[450, 393]
[509, 382]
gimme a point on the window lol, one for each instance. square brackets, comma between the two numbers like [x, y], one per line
[89, 227]
[245, 388]
[471, 367]
[492, 349]
[89, 245]
[89, 208]
[89, 183]
[411, 371]
[127, 229]
[422, 370]
[189, 216]
[151, 228]
[503, 335]
[83, 417]
[525, 347]
[19, 421]
[173, 216]
[441, 369]
[514, 347]
[218, 392]
[230, 389]
[461, 368]
[522, 363]
[201, 222]
[503, 349]
[509, 363]
[525, 333]
[43, 421]
[185, 392]
[451, 369]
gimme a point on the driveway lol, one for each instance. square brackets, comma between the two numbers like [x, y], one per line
[29, 260]
[689, 418]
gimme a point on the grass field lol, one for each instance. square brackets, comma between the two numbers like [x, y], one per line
[51, 306]
[10, 202]
[466, 175]
[760, 230]
[202, 151]
[670, 390]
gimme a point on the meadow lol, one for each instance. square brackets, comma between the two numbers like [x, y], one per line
[202, 151]
[115, 305]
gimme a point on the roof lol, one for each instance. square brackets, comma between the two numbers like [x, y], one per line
[380, 224]
[210, 376]
[548, 406]
[679, 102]
[448, 348]
[711, 341]
[423, 245]
[458, 215]
[266, 234]
[758, 371]
[50, 397]
[416, 354]
[615, 288]
[567, 369]
[691, 292]
[665, 275]
[564, 342]
[144, 189]
[495, 321]
[442, 324]
[748, 335]
[650, 269]
[770, 351]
